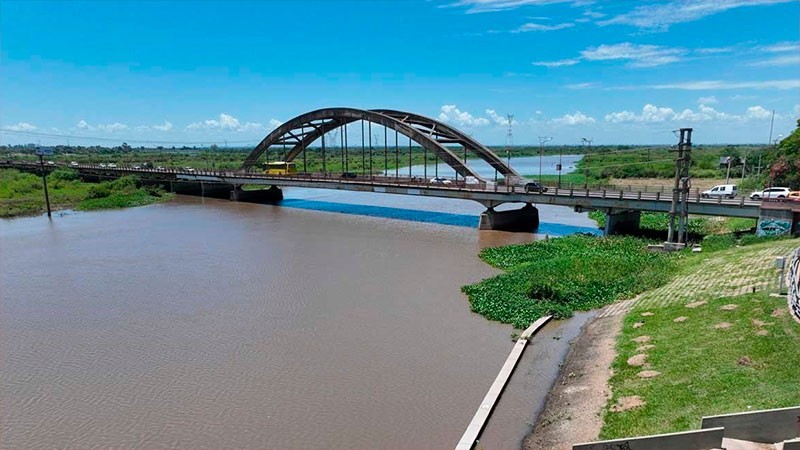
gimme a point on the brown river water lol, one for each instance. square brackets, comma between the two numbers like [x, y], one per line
[205, 323]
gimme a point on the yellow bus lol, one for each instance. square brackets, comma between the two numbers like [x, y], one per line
[281, 168]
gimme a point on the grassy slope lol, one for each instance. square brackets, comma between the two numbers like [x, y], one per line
[707, 370]
[22, 193]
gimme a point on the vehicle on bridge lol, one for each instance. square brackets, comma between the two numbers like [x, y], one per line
[440, 180]
[773, 192]
[74, 164]
[281, 168]
[722, 190]
[793, 196]
[534, 186]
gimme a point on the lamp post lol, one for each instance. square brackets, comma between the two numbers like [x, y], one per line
[542, 140]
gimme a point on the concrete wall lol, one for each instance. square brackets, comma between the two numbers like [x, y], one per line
[622, 222]
[690, 440]
[768, 426]
[523, 219]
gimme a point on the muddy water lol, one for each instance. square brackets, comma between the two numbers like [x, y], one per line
[205, 323]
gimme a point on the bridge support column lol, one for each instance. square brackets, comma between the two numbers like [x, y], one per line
[524, 219]
[272, 195]
[622, 222]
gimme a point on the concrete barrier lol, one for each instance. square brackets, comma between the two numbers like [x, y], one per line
[689, 440]
[769, 426]
[793, 444]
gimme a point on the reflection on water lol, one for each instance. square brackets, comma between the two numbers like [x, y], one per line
[207, 323]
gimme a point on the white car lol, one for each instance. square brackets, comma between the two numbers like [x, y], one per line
[773, 192]
[137, 167]
[440, 180]
[722, 190]
[103, 165]
[74, 164]
[112, 165]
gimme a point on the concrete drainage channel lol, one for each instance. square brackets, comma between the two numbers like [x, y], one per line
[490, 400]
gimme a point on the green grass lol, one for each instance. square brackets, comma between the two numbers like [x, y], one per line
[22, 193]
[560, 276]
[656, 224]
[705, 370]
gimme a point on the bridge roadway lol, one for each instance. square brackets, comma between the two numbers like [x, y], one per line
[612, 202]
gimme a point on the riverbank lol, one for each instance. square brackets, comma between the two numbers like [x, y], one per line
[701, 344]
[22, 194]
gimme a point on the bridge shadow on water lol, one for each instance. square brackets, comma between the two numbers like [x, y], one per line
[417, 215]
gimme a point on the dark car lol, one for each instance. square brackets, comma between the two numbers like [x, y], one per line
[349, 175]
[533, 186]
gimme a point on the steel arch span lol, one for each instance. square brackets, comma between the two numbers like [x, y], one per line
[300, 132]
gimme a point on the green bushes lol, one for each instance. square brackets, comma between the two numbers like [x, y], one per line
[559, 276]
[22, 193]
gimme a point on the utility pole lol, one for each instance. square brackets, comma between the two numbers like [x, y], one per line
[41, 152]
[771, 123]
[680, 193]
[509, 142]
[542, 140]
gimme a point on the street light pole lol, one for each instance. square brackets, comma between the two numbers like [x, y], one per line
[542, 140]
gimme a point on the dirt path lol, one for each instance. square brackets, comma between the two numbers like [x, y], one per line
[573, 412]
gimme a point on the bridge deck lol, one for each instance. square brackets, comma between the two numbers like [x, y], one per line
[488, 194]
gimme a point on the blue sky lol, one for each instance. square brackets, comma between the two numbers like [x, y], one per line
[619, 72]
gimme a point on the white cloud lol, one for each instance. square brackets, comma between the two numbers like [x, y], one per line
[758, 112]
[166, 127]
[650, 113]
[574, 119]
[451, 114]
[21, 126]
[226, 122]
[581, 85]
[541, 27]
[638, 55]
[712, 100]
[659, 17]
[796, 110]
[274, 123]
[704, 113]
[780, 47]
[783, 60]
[483, 6]
[498, 119]
[719, 84]
[111, 127]
[559, 63]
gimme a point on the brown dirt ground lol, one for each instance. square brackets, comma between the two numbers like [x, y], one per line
[680, 319]
[723, 325]
[648, 374]
[696, 304]
[626, 403]
[729, 307]
[698, 183]
[573, 411]
[637, 360]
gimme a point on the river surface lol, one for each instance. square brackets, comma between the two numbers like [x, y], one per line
[333, 321]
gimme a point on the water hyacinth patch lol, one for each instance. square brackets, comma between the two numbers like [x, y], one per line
[560, 276]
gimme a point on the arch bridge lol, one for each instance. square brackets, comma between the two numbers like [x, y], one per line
[295, 137]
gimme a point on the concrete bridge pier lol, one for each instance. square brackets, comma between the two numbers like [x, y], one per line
[622, 221]
[272, 195]
[524, 219]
